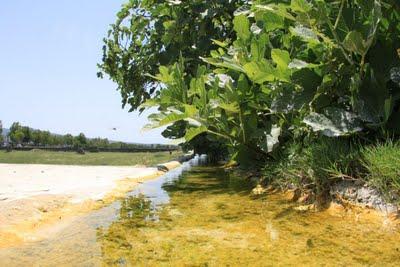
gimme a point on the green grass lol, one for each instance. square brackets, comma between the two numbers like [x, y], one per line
[383, 164]
[102, 158]
[329, 158]
[316, 163]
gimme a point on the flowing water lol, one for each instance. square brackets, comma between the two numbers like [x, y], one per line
[205, 216]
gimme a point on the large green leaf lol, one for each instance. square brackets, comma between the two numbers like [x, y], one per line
[281, 58]
[335, 122]
[258, 47]
[260, 72]
[230, 107]
[242, 27]
[300, 5]
[273, 21]
[354, 43]
[287, 99]
[171, 116]
[224, 62]
[193, 132]
[280, 10]
[304, 32]
[307, 78]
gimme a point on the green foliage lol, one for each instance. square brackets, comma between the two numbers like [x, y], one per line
[80, 141]
[16, 133]
[151, 33]
[69, 140]
[383, 164]
[17, 137]
[263, 75]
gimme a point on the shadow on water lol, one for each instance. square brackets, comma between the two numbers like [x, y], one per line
[210, 180]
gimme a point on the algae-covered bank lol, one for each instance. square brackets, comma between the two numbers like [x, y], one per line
[206, 216]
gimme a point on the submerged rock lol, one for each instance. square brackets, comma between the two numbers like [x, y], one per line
[258, 190]
[168, 166]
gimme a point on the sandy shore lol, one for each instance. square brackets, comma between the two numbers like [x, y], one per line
[32, 197]
[80, 182]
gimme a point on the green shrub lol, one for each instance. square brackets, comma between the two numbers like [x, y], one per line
[382, 162]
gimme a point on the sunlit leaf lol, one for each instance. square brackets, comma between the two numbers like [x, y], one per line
[193, 132]
[255, 29]
[242, 27]
[260, 72]
[273, 21]
[224, 62]
[300, 5]
[219, 43]
[304, 32]
[300, 64]
[281, 58]
[273, 138]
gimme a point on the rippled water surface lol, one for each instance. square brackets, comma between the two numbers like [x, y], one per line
[205, 216]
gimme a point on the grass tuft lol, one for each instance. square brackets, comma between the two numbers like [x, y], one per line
[315, 164]
[383, 164]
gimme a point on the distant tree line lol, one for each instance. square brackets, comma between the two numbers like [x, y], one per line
[1, 133]
[20, 135]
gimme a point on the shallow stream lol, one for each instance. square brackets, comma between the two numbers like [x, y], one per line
[206, 216]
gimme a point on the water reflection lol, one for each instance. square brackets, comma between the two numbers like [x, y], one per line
[140, 209]
[154, 190]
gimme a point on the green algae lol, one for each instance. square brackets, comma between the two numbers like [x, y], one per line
[213, 220]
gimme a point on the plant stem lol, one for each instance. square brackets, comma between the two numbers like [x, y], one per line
[362, 63]
[242, 125]
[339, 14]
[333, 31]
[221, 135]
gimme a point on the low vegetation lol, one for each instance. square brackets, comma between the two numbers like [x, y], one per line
[315, 163]
[383, 164]
[325, 161]
[102, 158]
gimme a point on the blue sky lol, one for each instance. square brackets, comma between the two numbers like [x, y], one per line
[48, 55]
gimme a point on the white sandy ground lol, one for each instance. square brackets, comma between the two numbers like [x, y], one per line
[19, 181]
[33, 196]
